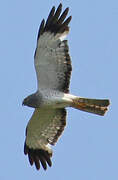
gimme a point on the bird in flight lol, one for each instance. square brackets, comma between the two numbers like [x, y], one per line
[53, 69]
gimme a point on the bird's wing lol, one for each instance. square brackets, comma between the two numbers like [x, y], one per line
[52, 60]
[43, 129]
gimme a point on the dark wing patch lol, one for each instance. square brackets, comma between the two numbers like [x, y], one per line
[38, 156]
[55, 23]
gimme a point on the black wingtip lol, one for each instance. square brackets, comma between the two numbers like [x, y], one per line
[41, 28]
[60, 5]
[38, 156]
[56, 22]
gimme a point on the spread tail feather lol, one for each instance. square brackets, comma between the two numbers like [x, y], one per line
[95, 106]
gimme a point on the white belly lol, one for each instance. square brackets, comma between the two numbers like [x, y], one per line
[56, 99]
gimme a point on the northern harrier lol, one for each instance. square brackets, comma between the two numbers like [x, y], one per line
[53, 69]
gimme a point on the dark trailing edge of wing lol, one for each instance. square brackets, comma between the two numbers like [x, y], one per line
[62, 126]
[65, 86]
[55, 23]
[38, 156]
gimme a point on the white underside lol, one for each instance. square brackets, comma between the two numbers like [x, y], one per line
[56, 99]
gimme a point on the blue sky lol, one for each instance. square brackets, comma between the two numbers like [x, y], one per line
[88, 149]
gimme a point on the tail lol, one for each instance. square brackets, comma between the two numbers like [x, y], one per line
[95, 106]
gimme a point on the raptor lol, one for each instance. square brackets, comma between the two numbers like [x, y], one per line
[53, 68]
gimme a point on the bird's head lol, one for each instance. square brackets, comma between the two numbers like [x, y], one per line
[26, 101]
[31, 101]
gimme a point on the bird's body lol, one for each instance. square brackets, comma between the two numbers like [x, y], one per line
[53, 69]
[48, 97]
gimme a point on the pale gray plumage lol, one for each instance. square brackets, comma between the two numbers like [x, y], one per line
[53, 70]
